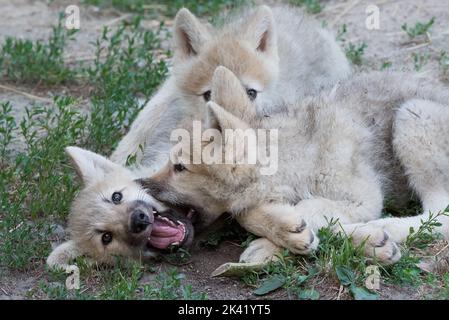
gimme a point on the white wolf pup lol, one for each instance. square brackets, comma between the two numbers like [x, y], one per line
[339, 154]
[112, 216]
[277, 54]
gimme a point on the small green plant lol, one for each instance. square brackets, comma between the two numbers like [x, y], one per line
[128, 70]
[29, 61]
[336, 249]
[406, 270]
[35, 183]
[169, 287]
[338, 255]
[123, 282]
[354, 52]
[419, 60]
[312, 6]
[444, 61]
[168, 7]
[341, 33]
[288, 273]
[348, 278]
[419, 28]
[386, 65]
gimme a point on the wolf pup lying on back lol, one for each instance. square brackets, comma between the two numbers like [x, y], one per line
[278, 55]
[113, 216]
[338, 155]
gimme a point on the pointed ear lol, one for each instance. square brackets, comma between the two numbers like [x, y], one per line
[61, 256]
[189, 34]
[260, 31]
[220, 119]
[228, 92]
[90, 166]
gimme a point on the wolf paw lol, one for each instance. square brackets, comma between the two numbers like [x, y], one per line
[299, 238]
[260, 251]
[378, 244]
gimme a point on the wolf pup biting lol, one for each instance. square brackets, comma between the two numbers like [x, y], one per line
[278, 54]
[339, 153]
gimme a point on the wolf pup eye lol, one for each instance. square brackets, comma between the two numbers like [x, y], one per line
[179, 167]
[206, 95]
[252, 94]
[117, 197]
[106, 238]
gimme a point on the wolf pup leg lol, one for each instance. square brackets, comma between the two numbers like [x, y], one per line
[421, 143]
[61, 256]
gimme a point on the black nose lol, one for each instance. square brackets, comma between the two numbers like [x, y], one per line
[139, 221]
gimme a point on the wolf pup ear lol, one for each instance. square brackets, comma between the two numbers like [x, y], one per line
[61, 256]
[229, 93]
[220, 119]
[90, 166]
[189, 34]
[260, 31]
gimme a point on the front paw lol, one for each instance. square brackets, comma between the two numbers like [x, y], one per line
[298, 238]
[260, 251]
[378, 243]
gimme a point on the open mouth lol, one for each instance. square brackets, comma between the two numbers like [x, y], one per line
[167, 232]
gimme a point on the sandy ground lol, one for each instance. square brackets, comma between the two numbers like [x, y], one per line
[33, 19]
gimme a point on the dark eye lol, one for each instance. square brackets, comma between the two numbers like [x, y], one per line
[117, 197]
[206, 96]
[252, 94]
[179, 167]
[106, 238]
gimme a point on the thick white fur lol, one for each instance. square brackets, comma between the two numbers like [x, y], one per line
[340, 154]
[306, 56]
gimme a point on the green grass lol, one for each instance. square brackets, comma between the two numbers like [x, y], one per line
[418, 29]
[123, 282]
[386, 65]
[419, 60]
[406, 271]
[443, 61]
[336, 258]
[33, 62]
[354, 52]
[36, 182]
[128, 71]
[311, 6]
[169, 7]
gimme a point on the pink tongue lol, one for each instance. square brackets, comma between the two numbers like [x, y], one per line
[164, 234]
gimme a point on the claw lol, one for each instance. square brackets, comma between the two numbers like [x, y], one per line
[384, 241]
